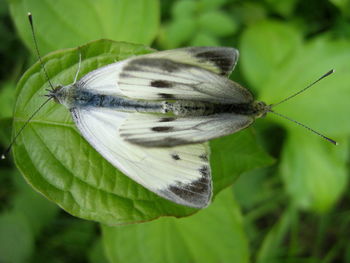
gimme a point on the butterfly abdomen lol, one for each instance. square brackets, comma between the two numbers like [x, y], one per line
[197, 108]
[188, 108]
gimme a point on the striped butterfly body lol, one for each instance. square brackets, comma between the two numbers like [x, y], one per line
[151, 116]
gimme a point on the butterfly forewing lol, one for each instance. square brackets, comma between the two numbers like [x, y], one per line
[220, 60]
[185, 74]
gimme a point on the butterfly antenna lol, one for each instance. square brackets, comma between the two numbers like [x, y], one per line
[3, 156]
[304, 89]
[306, 127]
[30, 17]
[300, 124]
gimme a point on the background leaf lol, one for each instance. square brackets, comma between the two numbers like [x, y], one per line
[212, 235]
[58, 25]
[23, 221]
[324, 108]
[314, 180]
[264, 48]
[296, 210]
[15, 232]
[217, 23]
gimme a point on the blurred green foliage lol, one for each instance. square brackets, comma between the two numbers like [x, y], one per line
[296, 210]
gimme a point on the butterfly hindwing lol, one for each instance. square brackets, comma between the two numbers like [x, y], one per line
[181, 174]
[156, 131]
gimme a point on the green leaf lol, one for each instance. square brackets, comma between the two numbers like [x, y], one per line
[60, 164]
[264, 47]
[5, 131]
[315, 173]
[284, 8]
[272, 248]
[249, 12]
[96, 253]
[16, 238]
[207, 5]
[37, 210]
[184, 9]
[79, 234]
[343, 5]
[215, 234]
[256, 187]
[178, 32]
[58, 25]
[309, 165]
[21, 225]
[7, 99]
[204, 39]
[328, 99]
[233, 155]
[217, 23]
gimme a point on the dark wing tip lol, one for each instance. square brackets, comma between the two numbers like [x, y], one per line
[196, 194]
[224, 58]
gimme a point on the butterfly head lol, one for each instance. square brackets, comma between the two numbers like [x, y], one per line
[261, 109]
[60, 94]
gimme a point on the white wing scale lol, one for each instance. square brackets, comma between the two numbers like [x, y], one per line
[180, 174]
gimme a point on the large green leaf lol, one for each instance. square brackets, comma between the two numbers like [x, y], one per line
[264, 48]
[7, 98]
[60, 164]
[15, 232]
[273, 248]
[213, 235]
[314, 172]
[66, 23]
[23, 221]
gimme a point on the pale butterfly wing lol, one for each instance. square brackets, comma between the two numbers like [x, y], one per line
[156, 131]
[181, 174]
[220, 60]
[185, 74]
[103, 80]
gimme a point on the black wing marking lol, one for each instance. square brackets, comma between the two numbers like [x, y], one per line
[220, 60]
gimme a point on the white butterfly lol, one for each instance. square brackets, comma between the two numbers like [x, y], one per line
[151, 115]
